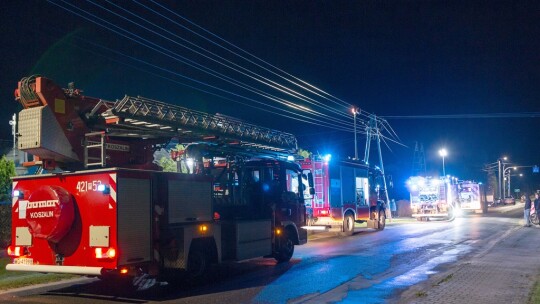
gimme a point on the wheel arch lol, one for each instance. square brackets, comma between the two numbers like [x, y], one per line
[208, 245]
[292, 229]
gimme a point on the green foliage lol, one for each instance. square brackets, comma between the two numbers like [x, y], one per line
[304, 153]
[163, 158]
[167, 164]
[7, 170]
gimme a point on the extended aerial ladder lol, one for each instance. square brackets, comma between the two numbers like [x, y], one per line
[132, 124]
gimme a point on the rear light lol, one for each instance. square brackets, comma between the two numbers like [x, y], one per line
[105, 253]
[16, 251]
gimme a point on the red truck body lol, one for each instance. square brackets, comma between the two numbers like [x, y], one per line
[345, 192]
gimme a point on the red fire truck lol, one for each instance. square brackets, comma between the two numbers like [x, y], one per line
[470, 196]
[433, 198]
[100, 207]
[346, 191]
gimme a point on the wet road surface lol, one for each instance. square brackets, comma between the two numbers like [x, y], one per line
[367, 267]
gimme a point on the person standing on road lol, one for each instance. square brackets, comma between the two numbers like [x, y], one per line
[393, 208]
[527, 210]
[536, 204]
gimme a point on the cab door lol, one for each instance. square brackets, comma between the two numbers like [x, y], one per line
[293, 198]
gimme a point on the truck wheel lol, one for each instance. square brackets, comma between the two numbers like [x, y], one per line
[348, 223]
[197, 262]
[382, 219]
[285, 248]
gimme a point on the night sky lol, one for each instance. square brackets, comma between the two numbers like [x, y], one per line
[390, 58]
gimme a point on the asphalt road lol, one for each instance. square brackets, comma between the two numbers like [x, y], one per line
[368, 267]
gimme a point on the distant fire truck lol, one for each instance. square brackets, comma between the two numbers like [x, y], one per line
[470, 197]
[346, 192]
[433, 197]
[103, 209]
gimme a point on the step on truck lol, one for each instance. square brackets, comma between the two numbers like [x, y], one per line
[99, 206]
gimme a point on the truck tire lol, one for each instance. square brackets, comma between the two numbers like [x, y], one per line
[285, 248]
[382, 219]
[348, 223]
[198, 262]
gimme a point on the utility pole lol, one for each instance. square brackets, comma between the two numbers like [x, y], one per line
[499, 186]
[355, 111]
[369, 129]
[13, 124]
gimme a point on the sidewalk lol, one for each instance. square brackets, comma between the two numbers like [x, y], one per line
[504, 273]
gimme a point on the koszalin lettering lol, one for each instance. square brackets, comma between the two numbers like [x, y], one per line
[41, 214]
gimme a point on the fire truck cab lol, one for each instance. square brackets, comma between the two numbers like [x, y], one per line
[433, 198]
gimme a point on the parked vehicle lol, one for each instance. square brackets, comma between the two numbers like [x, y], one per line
[509, 200]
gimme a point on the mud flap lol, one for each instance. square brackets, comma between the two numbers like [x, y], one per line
[373, 224]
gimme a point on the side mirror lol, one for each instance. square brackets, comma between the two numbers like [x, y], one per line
[310, 180]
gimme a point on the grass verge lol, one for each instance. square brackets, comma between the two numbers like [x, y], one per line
[534, 298]
[15, 279]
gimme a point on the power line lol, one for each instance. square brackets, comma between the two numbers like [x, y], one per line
[465, 116]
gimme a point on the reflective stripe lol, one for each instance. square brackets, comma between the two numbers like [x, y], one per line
[14, 199]
[55, 269]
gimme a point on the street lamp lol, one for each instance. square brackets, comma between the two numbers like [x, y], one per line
[355, 111]
[443, 153]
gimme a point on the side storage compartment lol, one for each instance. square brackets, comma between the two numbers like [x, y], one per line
[134, 220]
[243, 240]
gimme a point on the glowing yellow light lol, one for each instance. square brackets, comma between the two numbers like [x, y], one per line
[203, 228]
[99, 253]
[109, 254]
[278, 231]
[123, 271]
[14, 251]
